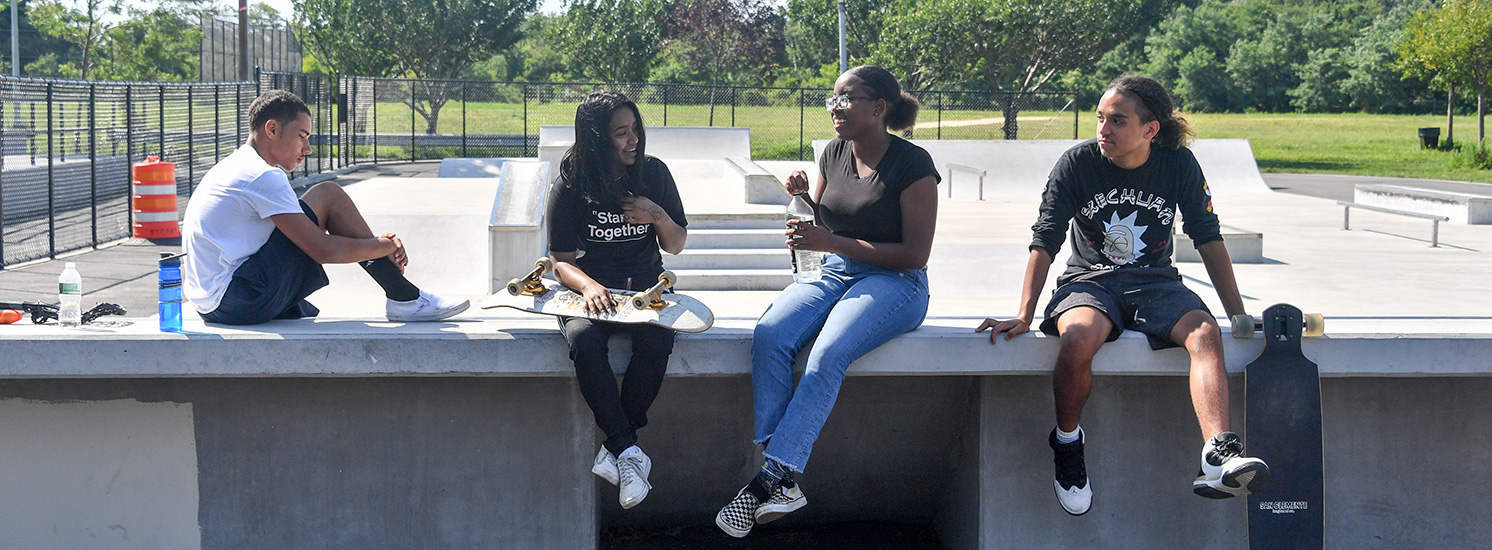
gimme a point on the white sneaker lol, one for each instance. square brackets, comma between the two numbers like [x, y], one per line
[428, 307]
[633, 468]
[1074, 492]
[1225, 472]
[605, 466]
[784, 500]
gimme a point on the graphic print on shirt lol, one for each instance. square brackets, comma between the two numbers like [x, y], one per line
[610, 227]
[1121, 238]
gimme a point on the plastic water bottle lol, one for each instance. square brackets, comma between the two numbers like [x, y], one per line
[807, 264]
[70, 297]
[170, 292]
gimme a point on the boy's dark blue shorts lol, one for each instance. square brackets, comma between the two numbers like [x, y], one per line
[272, 284]
[1149, 301]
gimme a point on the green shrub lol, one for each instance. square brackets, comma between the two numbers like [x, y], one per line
[1472, 156]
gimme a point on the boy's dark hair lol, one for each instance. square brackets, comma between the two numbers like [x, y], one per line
[901, 107]
[1155, 103]
[590, 163]
[277, 105]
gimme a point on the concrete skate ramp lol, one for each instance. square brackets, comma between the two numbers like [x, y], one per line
[672, 142]
[1022, 167]
[471, 167]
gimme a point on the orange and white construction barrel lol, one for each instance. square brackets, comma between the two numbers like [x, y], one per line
[153, 200]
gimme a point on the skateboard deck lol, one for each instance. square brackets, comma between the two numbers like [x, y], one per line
[653, 306]
[1283, 395]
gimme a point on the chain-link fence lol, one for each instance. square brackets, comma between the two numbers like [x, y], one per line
[66, 148]
[68, 145]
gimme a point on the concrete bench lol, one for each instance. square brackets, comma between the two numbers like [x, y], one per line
[1244, 246]
[1435, 220]
[1457, 207]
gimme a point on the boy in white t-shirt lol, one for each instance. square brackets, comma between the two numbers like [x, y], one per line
[254, 251]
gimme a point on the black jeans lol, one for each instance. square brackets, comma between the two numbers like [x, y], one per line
[619, 414]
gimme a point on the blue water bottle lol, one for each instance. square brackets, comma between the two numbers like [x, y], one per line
[170, 293]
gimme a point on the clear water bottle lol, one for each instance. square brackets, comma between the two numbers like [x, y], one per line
[70, 297]
[807, 264]
[170, 292]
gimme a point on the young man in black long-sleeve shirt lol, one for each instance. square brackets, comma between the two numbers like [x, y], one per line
[1121, 193]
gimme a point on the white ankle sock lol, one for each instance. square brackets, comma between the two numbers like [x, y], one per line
[1069, 437]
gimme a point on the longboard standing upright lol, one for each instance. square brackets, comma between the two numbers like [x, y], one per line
[1284, 430]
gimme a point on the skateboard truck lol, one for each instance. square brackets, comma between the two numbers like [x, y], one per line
[530, 285]
[650, 299]
[1245, 325]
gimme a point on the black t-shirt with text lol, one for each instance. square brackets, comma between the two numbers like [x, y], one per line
[1122, 219]
[612, 251]
[869, 208]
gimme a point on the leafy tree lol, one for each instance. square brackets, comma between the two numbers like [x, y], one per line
[726, 41]
[83, 29]
[1372, 84]
[812, 30]
[1008, 45]
[426, 40]
[155, 45]
[1320, 77]
[611, 40]
[1452, 45]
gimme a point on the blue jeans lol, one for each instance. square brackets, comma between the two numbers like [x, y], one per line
[853, 309]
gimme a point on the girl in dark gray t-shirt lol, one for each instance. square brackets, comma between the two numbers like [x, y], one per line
[877, 201]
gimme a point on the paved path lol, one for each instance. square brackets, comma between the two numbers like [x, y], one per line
[1339, 188]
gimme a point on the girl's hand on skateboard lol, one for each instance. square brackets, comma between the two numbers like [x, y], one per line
[398, 256]
[637, 209]
[797, 182]
[808, 237]
[597, 299]
[1011, 328]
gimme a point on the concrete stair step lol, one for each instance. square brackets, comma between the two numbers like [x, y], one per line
[738, 220]
[726, 258]
[733, 279]
[700, 239]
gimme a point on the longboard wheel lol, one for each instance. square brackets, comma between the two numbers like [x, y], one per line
[640, 300]
[545, 265]
[1315, 325]
[1243, 326]
[668, 278]
[515, 287]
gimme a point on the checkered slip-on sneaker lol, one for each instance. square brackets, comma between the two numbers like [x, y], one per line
[784, 501]
[738, 517]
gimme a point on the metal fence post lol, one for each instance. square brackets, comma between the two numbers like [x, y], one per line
[1075, 109]
[3, 263]
[375, 121]
[665, 104]
[525, 122]
[191, 141]
[161, 121]
[800, 123]
[129, 147]
[238, 112]
[463, 119]
[411, 119]
[941, 96]
[51, 184]
[733, 91]
[93, 160]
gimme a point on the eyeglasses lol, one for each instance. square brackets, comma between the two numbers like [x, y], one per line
[841, 102]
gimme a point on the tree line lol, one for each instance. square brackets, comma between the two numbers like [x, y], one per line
[1372, 56]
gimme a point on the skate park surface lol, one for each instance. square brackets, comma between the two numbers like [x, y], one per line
[447, 425]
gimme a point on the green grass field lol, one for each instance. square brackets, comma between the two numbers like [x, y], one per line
[1355, 144]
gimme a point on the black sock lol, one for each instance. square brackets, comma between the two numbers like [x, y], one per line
[387, 275]
[759, 487]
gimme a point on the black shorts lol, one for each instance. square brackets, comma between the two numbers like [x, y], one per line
[1145, 301]
[272, 284]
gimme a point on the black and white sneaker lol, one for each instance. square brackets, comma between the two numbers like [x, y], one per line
[1071, 482]
[738, 517]
[784, 501]
[1225, 472]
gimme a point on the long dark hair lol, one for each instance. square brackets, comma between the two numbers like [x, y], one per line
[1155, 104]
[590, 164]
[902, 107]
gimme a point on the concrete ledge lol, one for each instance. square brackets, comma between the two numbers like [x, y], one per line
[1244, 246]
[1459, 207]
[533, 347]
[760, 185]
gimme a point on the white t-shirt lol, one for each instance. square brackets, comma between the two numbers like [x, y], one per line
[227, 220]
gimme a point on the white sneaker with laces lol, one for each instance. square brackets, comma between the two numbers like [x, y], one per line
[784, 500]
[1225, 472]
[605, 466]
[633, 468]
[428, 307]
[1074, 492]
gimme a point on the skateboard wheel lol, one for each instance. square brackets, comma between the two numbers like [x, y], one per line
[1315, 325]
[1243, 326]
[515, 287]
[545, 265]
[668, 278]
[640, 301]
